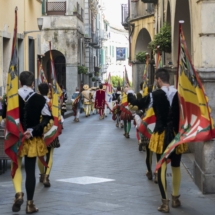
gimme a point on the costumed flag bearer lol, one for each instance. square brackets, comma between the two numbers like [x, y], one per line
[23, 128]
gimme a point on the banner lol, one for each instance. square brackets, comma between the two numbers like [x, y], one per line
[41, 74]
[196, 123]
[13, 128]
[145, 78]
[56, 128]
[127, 82]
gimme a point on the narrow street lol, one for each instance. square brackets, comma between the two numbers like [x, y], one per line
[98, 171]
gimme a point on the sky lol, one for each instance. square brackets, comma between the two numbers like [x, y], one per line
[113, 11]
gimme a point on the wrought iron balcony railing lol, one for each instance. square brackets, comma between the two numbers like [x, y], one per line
[56, 8]
[150, 1]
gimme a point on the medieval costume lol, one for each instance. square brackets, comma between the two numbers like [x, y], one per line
[126, 114]
[45, 171]
[116, 109]
[93, 94]
[87, 100]
[31, 107]
[76, 104]
[100, 102]
[166, 107]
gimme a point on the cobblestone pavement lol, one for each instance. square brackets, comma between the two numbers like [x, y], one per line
[97, 171]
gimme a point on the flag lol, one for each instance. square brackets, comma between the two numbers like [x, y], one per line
[147, 125]
[118, 85]
[56, 128]
[159, 64]
[109, 84]
[41, 74]
[145, 78]
[127, 82]
[195, 123]
[13, 128]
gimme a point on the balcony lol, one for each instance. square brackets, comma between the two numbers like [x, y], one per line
[95, 41]
[79, 12]
[125, 14]
[104, 35]
[56, 8]
[150, 1]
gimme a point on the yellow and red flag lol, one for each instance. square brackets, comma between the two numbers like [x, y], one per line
[41, 75]
[13, 129]
[127, 82]
[56, 129]
[145, 77]
[195, 123]
[148, 123]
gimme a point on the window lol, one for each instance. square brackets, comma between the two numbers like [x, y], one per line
[31, 54]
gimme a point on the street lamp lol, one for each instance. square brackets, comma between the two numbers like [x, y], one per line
[39, 24]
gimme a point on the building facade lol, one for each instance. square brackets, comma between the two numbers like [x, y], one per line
[138, 19]
[28, 41]
[116, 53]
[63, 25]
[199, 31]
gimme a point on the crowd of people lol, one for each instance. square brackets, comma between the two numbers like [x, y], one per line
[125, 106]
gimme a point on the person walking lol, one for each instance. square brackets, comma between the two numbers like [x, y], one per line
[87, 99]
[100, 101]
[76, 104]
[166, 108]
[31, 107]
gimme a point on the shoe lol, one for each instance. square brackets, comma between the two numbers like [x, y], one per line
[165, 206]
[46, 181]
[117, 125]
[18, 201]
[127, 135]
[121, 125]
[144, 148]
[149, 175]
[155, 177]
[30, 207]
[175, 201]
[77, 120]
[42, 177]
[140, 147]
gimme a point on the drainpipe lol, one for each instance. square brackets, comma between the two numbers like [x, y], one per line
[81, 60]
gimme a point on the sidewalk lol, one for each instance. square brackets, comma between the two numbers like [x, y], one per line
[97, 171]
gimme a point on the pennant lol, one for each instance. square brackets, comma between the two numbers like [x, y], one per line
[56, 128]
[13, 128]
[145, 78]
[195, 123]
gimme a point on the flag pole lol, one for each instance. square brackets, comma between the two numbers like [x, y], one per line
[179, 49]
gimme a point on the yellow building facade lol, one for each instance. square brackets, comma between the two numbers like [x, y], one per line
[142, 31]
[29, 45]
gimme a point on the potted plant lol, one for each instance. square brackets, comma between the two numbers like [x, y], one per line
[90, 75]
[93, 79]
[82, 70]
[141, 57]
[162, 40]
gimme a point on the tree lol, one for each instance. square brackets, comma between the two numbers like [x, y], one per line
[115, 80]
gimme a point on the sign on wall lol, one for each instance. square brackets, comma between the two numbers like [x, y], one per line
[120, 53]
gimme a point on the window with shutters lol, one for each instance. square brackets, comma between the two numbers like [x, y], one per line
[31, 54]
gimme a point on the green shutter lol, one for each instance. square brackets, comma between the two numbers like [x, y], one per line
[43, 7]
[103, 57]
